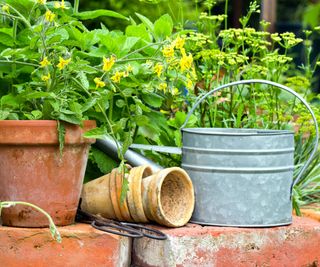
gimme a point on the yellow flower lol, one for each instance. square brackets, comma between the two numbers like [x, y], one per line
[117, 77]
[49, 16]
[179, 42]
[108, 63]
[45, 62]
[163, 87]
[175, 91]
[41, 2]
[99, 82]
[158, 69]
[45, 78]
[168, 51]
[129, 68]
[164, 111]
[189, 84]
[5, 8]
[186, 62]
[60, 5]
[63, 62]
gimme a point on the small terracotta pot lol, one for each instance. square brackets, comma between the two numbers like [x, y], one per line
[96, 197]
[120, 208]
[134, 198]
[102, 195]
[32, 170]
[168, 197]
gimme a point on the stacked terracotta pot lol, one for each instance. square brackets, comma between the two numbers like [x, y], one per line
[166, 197]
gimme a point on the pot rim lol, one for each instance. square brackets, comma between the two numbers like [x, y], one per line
[41, 122]
[236, 131]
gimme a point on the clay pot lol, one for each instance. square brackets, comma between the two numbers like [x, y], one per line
[134, 198]
[96, 197]
[168, 197]
[32, 170]
[120, 208]
[102, 195]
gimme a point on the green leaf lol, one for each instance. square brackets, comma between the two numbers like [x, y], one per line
[146, 21]
[69, 118]
[11, 101]
[163, 27]
[153, 100]
[4, 114]
[35, 115]
[239, 115]
[140, 106]
[83, 79]
[88, 104]
[180, 118]
[99, 13]
[6, 39]
[124, 189]
[141, 120]
[104, 162]
[128, 92]
[148, 131]
[97, 133]
[120, 125]
[126, 142]
[23, 6]
[113, 41]
[61, 136]
[311, 16]
[120, 103]
[138, 31]
[36, 95]
[59, 35]
[24, 37]
[129, 43]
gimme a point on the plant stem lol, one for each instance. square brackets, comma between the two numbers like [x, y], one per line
[10, 16]
[20, 16]
[14, 37]
[53, 229]
[19, 62]
[226, 13]
[120, 155]
[76, 6]
[138, 58]
[140, 49]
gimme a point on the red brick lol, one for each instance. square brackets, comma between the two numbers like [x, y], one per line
[194, 245]
[81, 246]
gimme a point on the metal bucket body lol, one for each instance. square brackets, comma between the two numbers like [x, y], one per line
[241, 177]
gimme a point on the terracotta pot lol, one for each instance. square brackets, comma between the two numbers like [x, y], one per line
[168, 197]
[102, 195]
[120, 208]
[96, 197]
[32, 170]
[134, 194]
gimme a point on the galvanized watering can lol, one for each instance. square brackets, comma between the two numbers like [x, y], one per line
[241, 177]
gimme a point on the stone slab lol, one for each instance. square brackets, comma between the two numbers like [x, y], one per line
[296, 245]
[81, 246]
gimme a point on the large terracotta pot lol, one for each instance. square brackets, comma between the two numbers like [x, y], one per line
[33, 170]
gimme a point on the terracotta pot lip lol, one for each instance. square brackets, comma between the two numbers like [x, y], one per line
[41, 123]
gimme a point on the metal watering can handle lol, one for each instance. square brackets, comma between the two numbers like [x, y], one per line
[275, 85]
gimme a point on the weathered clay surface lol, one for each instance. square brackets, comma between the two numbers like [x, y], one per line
[194, 245]
[81, 246]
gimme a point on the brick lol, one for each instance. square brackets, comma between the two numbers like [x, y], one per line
[195, 245]
[81, 246]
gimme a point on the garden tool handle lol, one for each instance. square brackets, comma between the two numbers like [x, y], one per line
[275, 85]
